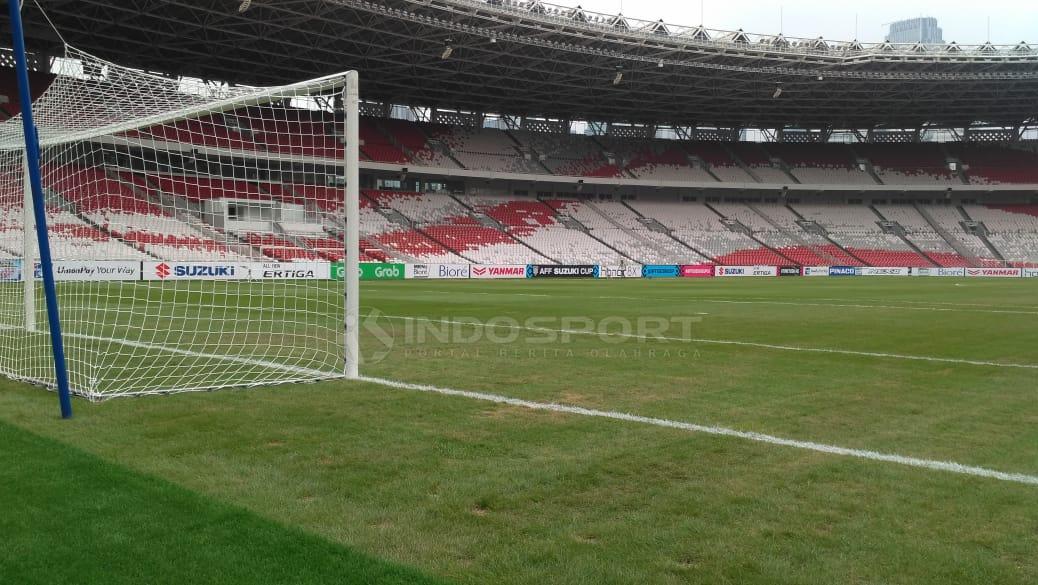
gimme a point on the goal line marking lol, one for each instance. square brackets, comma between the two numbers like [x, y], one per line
[189, 353]
[896, 356]
[933, 465]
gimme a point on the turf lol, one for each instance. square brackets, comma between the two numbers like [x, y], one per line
[472, 492]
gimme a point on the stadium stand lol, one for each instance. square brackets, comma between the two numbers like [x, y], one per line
[823, 164]
[909, 164]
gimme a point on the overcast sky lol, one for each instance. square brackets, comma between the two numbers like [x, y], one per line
[1012, 21]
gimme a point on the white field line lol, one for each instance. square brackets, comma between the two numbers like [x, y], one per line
[186, 352]
[941, 309]
[933, 465]
[872, 354]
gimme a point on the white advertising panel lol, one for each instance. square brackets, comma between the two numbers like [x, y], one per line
[816, 271]
[884, 271]
[993, 272]
[633, 271]
[92, 270]
[498, 271]
[290, 271]
[1029, 273]
[197, 271]
[728, 271]
[437, 271]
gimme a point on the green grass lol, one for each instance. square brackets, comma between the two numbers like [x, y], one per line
[472, 492]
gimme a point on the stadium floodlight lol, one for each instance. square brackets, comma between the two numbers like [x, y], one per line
[245, 4]
[619, 75]
[778, 92]
[136, 170]
[448, 50]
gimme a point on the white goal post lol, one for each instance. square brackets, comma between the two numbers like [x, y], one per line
[204, 235]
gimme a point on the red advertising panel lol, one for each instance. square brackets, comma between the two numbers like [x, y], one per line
[697, 271]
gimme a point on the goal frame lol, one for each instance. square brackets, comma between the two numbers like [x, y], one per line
[35, 249]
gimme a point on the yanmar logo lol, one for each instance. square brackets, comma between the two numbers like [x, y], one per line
[500, 271]
[162, 270]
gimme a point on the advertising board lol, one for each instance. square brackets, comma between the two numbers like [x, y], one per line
[994, 272]
[660, 271]
[291, 271]
[498, 271]
[697, 271]
[437, 271]
[730, 271]
[163, 271]
[883, 271]
[562, 271]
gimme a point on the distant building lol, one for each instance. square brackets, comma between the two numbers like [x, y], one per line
[916, 30]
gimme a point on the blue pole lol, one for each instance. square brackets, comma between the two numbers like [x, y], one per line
[32, 157]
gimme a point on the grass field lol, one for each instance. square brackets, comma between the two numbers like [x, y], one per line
[342, 482]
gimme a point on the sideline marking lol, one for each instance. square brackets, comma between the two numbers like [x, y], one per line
[934, 465]
[756, 301]
[921, 358]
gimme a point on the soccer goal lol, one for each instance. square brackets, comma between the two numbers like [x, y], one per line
[198, 232]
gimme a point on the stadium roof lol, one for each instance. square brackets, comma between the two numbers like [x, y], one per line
[533, 59]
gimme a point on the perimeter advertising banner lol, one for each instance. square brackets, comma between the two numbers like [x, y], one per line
[697, 271]
[633, 271]
[816, 271]
[843, 271]
[92, 270]
[1029, 273]
[291, 271]
[789, 271]
[994, 272]
[883, 271]
[946, 272]
[562, 271]
[660, 271]
[196, 271]
[371, 271]
[10, 270]
[498, 271]
[729, 271]
[437, 271]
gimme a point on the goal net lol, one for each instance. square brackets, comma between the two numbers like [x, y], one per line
[196, 230]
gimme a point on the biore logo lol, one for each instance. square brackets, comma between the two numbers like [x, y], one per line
[453, 271]
[208, 271]
[162, 270]
[421, 271]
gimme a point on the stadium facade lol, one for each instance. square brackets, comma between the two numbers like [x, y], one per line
[469, 152]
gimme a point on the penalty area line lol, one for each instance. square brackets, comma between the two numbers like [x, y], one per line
[929, 464]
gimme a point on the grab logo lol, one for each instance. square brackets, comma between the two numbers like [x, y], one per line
[162, 270]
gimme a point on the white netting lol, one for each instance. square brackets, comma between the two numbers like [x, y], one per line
[192, 227]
